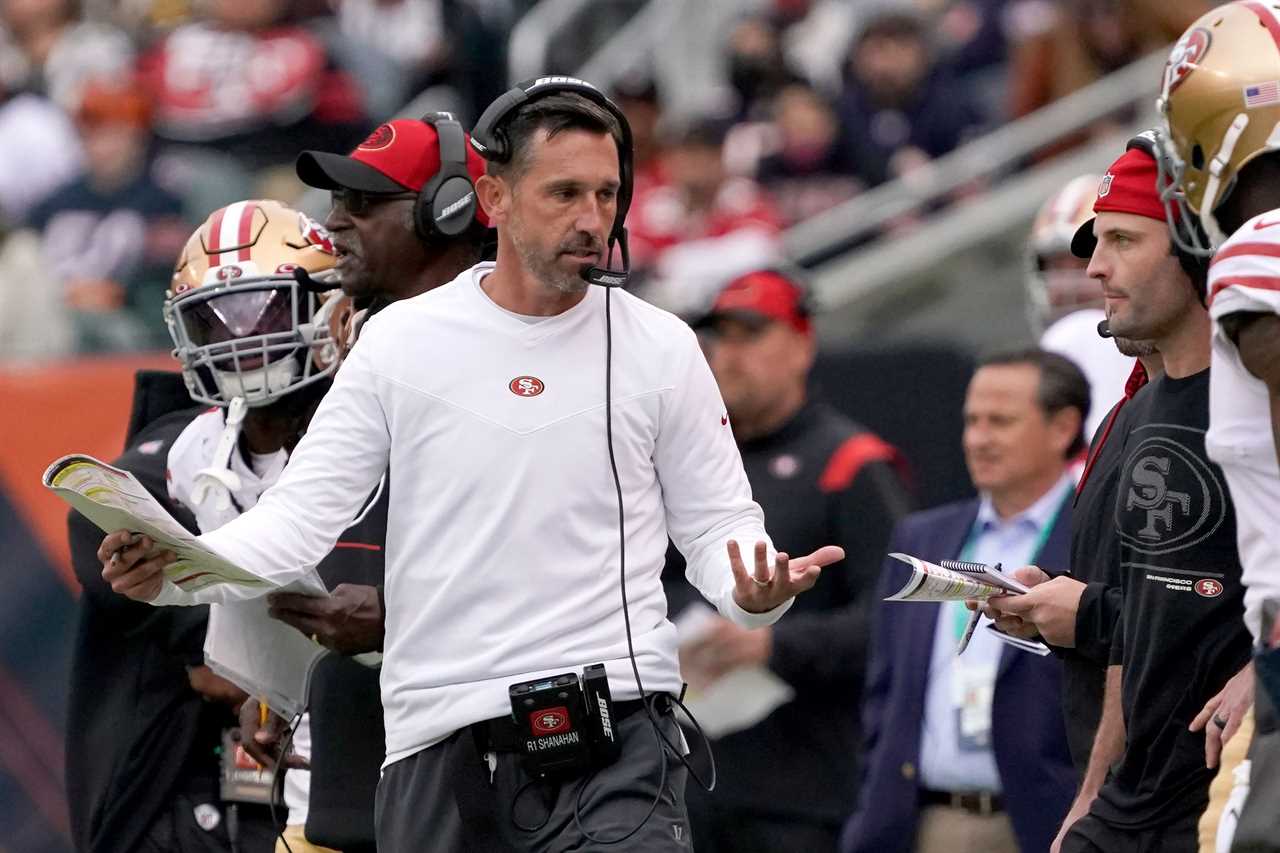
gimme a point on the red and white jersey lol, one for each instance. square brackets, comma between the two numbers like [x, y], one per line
[1245, 276]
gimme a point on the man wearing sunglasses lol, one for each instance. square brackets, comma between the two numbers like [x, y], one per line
[383, 252]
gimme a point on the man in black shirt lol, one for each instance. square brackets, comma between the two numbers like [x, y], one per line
[819, 478]
[1180, 638]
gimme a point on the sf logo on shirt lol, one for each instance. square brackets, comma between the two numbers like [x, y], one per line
[1169, 498]
[526, 386]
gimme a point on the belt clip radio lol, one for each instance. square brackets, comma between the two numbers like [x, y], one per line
[566, 723]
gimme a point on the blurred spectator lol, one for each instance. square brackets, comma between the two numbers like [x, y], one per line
[39, 152]
[430, 43]
[900, 110]
[702, 228]
[47, 49]
[637, 97]
[809, 172]
[1059, 47]
[33, 319]
[109, 237]
[757, 66]
[244, 80]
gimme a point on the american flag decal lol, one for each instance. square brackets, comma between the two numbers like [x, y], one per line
[1262, 94]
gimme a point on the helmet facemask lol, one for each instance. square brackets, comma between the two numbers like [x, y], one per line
[254, 339]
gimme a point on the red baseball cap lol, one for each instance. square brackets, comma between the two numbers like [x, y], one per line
[1129, 186]
[761, 297]
[399, 155]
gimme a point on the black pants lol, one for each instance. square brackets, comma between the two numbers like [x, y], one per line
[417, 805]
[1258, 830]
[1091, 835]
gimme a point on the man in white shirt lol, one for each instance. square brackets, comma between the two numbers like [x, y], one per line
[487, 397]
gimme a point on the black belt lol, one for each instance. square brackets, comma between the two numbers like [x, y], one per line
[974, 802]
[501, 734]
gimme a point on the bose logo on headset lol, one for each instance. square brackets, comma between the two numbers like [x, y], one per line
[557, 81]
[456, 206]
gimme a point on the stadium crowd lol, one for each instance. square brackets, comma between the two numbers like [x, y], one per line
[125, 123]
[1125, 469]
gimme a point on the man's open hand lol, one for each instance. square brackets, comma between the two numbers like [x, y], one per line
[350, 621]
[766, 588]
[127, 567]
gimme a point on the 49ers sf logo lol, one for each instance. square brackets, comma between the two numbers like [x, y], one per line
[1185, 58]
[527, 386]
[1209, 588]
[549, 721]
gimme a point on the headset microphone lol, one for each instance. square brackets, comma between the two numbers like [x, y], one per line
[604, 276]
[1104, 329]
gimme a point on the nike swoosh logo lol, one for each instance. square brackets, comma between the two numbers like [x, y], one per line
[1265, 223]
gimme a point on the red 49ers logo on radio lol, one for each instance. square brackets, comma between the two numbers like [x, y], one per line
[1209, 588]
[549, 721]
[526, 386]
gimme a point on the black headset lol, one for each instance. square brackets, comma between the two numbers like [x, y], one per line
[490, 140]
[446, 205]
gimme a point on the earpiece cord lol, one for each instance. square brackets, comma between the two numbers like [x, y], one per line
[647, 702]
[277, 779]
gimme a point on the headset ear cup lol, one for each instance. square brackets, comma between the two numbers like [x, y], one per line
[453, 207]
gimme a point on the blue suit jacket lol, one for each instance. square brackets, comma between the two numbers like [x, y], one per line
[1029, 737]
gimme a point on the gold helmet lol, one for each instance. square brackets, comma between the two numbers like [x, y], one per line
[1056, 280]
[1220, 103]
[242, 304]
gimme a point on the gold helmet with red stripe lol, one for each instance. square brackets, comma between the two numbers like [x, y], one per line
[242, 305]
[1220, 102]
[1056, 280]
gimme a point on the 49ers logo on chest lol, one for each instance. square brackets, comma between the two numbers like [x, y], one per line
[526, 386]
[1209, 588]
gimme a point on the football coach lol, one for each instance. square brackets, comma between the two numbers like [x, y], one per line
[543, 443]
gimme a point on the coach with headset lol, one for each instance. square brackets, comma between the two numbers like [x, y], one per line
[544, 438]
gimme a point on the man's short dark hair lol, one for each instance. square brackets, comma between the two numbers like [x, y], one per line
[1062, 384]
[895, 25]
[556, 114]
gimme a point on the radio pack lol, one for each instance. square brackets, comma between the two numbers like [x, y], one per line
[566, 723]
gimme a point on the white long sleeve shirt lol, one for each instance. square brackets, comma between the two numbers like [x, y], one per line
[502, 535]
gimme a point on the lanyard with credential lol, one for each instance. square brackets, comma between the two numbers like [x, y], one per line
[960, 613]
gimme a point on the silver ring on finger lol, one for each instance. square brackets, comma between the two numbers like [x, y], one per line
[755, 580]
[1220, 721]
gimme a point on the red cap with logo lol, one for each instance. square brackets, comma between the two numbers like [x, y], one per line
[1129, 186]
[759, 298]
[400, 155]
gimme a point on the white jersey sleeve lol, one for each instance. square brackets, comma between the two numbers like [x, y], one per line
[329, 476]
[705, 492]
[1245, 276]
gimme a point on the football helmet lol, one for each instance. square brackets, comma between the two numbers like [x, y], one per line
[242, 305]
[1057, 283]
[1220, 104]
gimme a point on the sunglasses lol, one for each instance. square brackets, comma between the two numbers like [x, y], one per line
[358, 202]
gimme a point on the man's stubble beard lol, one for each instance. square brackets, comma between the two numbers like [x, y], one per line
[546, 273]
